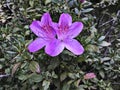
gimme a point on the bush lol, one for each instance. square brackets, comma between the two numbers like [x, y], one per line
[22, 70]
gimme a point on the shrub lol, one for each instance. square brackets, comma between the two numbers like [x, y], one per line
[22, 70]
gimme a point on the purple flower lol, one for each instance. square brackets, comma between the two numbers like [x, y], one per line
[66, 32]
[46, 34]
[46, 30]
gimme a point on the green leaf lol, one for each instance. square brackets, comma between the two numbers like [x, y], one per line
[54, 75]
[102, 74]
[11, 52]
[92, 48]
[34, 66]
[72, 75]
[1, 66]
[105, 44]
[63, 76]
[77, 11]
[47, 1]
[76, 83]
[23, 77]
[101, 38]
[105, 59]
[46, 84]
[53, 64]
[31, 2]
[80, 88]
[87, 10]
[66, 87]
[15, 67]
[55, 1]
[36, 77]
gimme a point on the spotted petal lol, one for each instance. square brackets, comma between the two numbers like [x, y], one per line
[37, 29]
[74, 46]
[75, 29]
[36, 45]
[54, 48]
[46, 19]
[65, 20]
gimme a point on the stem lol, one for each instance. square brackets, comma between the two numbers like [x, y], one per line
[59, 73]
[79, 7]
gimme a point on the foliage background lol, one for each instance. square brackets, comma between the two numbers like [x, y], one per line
[38, 71]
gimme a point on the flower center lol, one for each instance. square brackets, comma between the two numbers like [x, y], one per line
[62, 32]
[49, 31]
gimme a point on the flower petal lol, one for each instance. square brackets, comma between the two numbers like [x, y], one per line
[54, 48]
[46, 19]
[37, 29]
[74, 46]
[55, 26]
[65, 20]
[36, 45]
[75, 29]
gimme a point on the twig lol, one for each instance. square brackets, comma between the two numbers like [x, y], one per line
[7, 75]
[116, 83]
[106, 23]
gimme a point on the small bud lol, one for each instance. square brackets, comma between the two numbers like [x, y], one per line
[89, 75]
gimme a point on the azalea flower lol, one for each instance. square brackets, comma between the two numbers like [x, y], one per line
[66, 32]
[89, 75]
[46, 34]
[46, 31]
